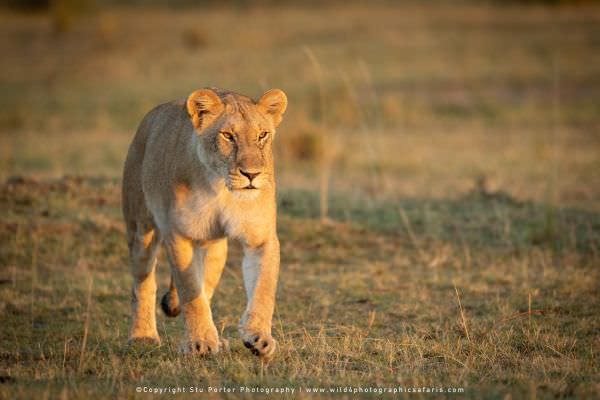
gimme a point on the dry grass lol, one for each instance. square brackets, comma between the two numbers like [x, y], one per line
[463, 233]
[358, 305]
[460, 91]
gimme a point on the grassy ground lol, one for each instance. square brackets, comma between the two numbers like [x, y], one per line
[460, 146]
[366, 302]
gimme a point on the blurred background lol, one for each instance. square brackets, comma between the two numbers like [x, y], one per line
[386, 99]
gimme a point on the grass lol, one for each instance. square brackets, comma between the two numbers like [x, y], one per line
[461, 244]
[360, 303]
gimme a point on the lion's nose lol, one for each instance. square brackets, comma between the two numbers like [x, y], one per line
[249, 175]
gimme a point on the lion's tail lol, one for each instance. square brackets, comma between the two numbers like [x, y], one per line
[170, 301]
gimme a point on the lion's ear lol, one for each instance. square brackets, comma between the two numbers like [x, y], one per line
[273, 103]
[203, 106]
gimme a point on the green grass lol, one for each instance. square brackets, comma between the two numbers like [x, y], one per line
[461, 142]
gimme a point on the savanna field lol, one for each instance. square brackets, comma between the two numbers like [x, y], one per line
[438, 194]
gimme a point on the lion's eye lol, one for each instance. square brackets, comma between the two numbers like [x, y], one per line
[227, 136]
[263, 135]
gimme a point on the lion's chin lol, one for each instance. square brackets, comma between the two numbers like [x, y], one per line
[246, 193]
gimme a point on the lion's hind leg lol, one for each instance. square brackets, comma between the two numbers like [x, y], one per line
[170, 301]
[214, 262]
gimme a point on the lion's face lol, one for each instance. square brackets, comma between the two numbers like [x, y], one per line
[236, 136]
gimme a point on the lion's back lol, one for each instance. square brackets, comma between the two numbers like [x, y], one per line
[153, 140]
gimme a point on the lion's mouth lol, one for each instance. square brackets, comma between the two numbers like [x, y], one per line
[249, 186]
[240, 185]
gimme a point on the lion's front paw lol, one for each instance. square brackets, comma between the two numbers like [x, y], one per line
[260, 344]
[200, 347]
[209, 344]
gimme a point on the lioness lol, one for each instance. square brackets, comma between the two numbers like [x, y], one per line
[198, 172]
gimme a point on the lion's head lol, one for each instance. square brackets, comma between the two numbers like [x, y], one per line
[235, 135]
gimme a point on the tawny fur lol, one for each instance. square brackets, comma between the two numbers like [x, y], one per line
[198, 172]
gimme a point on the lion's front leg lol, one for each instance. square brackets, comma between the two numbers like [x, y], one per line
[260, 268]
[187, 263]
[143, 246]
